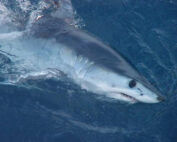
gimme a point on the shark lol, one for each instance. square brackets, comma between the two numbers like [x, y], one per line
[53, 42]
[98, 67]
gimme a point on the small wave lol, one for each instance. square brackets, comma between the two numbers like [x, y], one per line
[46, 74]
[103, 130]
[85, 126]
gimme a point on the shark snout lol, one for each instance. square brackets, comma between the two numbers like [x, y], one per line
[160, 98]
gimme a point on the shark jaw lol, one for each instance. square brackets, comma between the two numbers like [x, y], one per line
[124, 95]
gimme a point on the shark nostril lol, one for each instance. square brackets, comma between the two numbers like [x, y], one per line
[160, 98]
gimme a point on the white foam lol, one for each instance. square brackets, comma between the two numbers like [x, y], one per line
[11, 35]
[25, 5]
[4, 15]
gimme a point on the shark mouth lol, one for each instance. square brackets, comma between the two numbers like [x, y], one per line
[132, 99]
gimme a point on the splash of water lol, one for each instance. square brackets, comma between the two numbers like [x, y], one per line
[16, 19]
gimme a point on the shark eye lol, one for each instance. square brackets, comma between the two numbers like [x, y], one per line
[132, 83]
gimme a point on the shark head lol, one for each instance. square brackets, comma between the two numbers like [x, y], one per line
[124, 88]
[143, 92]
[132, 91]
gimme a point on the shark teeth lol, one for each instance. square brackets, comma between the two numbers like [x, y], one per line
[129, 97]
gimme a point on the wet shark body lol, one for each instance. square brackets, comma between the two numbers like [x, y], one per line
[99, 68]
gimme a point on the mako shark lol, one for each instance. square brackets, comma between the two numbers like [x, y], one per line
[93, 65]
[97, 67]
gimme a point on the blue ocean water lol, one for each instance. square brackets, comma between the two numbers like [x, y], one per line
[51, 110]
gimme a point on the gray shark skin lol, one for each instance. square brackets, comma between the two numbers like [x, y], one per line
[95, 51]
